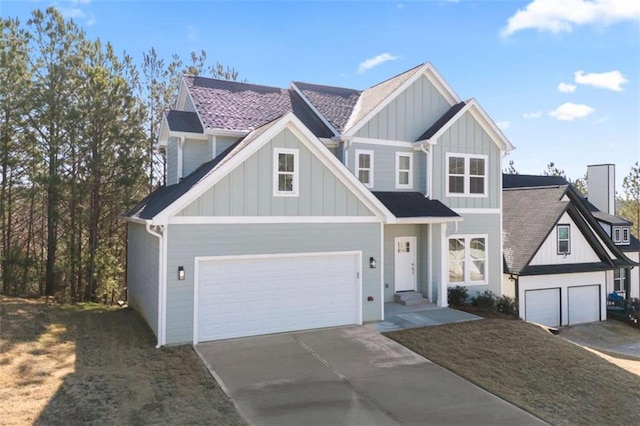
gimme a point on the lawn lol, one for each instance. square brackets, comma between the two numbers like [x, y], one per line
[556, 380]
[92, 364]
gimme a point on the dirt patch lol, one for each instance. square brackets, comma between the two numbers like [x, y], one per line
[92, 364]
[554, 379]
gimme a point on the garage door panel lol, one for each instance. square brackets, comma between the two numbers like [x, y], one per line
[244, 297]
[543, 306]
[584, 304]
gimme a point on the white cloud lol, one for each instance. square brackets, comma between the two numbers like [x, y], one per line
[374, 62]
[192, 33]
[570, 111]
[612, 80]
[567, 88]
[563, 15]
[78, 14]
[504, 125]
[536, 114]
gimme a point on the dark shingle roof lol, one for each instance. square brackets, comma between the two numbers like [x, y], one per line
[184, 121]
[413, 204]
[634, 245]
[605, 217]
[567, 268]
[309, 118]
[531, 181]
[440, 122]
[529, 214]
[334, 103]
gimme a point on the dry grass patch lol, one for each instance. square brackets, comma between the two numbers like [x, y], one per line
[554, 379]
[92, 364]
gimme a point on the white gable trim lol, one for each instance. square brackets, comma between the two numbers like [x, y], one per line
[314, 109]
[291, 122]
[192, 101]
[426, 70]
[225, 132]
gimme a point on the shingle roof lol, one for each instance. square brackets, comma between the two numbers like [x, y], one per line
[634, 245]
[531, 181]
[413, 204]
[334, 103]
[309, 118]
[605, 217]
[529, 214]
[184, 121]
[440, 122]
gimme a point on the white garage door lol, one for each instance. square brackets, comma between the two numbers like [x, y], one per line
[543, 306]
[239, 297]
[584, 304]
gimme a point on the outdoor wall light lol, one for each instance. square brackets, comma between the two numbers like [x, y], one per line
[181, 273]
[372, 263]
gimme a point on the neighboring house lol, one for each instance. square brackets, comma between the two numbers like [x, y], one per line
[312, 206]
[559, 262]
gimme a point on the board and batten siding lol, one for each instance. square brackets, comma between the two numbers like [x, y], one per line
[195, 152]
[391, 232]
[581, 250]
[224, 142]
[384, 166]
[172, 161]
[189, 241]
[409, 115]
[142, 273]
[466, 136]
[248, 189]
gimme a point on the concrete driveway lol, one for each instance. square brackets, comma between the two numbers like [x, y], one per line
[350, 375]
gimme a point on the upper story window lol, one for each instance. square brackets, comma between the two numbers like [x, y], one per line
[404, 170]
[564, 239]
[466, 175]
[468, 259]
[620, 235]
[364, 167]
[285, 176]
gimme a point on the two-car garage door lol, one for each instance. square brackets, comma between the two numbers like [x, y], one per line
[248, 296]
[544, 306]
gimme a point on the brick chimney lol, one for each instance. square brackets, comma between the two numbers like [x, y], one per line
[601, 184]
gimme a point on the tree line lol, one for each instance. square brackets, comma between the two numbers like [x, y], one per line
[78, 130]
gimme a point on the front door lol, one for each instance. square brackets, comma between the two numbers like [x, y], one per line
[405, 263]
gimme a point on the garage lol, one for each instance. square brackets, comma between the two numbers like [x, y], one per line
[239, 296]
[584, 304]
[543, 306]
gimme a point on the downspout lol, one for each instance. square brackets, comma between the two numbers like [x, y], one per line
[427, 170]
[345, 152]
[161, 280]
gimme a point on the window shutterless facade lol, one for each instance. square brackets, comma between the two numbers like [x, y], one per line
[466, 175]
[404, 170]
[364, 167]
[285, 172]
[564, 239]
[468, 259]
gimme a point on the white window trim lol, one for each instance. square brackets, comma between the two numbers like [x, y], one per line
[371, 166]
[296, 172]
[467, 258]
[467, 175]
[410, 184]
[621, 233]
[563, 225]
[625, 236]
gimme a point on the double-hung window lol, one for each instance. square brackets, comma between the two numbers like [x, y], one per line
[466, 175]
[619, 277]
[468, 259]
[404, 170]
[285, 176]
[620, 235]
[364, 167]
[564, 239]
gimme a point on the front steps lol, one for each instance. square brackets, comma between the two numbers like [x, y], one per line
[410, 298]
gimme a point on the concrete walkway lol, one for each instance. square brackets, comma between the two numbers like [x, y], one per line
[609, 336]
[399, 317]
[350, 375]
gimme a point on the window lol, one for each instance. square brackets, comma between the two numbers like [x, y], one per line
[404, 167]
[618, 279]
[620, 235]
[625, 235]
[564, 239]
[466, 175]
[617, 235]
[468, 260]
[364, 167]
[285, 172]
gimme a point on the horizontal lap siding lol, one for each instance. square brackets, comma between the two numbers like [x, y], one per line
[142, 273]
[189, 241]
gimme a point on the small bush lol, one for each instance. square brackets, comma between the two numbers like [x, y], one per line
[507, 305]
[485, 300]
[457, 295]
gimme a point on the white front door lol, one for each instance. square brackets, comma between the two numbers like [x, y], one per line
[405, 263]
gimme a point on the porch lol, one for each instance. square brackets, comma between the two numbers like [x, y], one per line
[400, 317]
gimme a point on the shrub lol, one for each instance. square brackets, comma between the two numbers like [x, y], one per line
[507, 305]
[457, 295]
[485, 300]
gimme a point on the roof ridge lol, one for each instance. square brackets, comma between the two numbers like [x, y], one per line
[521, 188]
[325, 85]
[222, 80]
[397, 75]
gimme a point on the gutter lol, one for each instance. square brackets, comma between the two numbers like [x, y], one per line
[161, 279]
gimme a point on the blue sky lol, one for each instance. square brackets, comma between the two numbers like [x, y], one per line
[560, 77]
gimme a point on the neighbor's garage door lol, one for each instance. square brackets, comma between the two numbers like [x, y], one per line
[543, 306]
[272, 294]
[584, 304]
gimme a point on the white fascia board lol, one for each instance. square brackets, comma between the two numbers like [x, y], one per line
[441, 85]
[186, 88]
[216, 220]
[226, 132]
[314, 109]
[479, 210]
[423, 220]
[165, 132]
[187, 135]
[134, 220]
[489, 126]
[382, 142]
[330, 143]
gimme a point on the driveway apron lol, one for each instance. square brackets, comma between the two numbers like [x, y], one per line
[347, 376]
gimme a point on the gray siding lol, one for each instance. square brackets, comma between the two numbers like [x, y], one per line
[188, 241]
[224, 142]
[409, 115]
[188, 105]
[466, 136]
[172, 161]
[142, 273]
[248, 189]
[384, 166]
[390, 233]
[195, 152]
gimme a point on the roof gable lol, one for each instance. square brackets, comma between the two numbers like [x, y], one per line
[335, 104]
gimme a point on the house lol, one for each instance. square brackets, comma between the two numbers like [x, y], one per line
[559, 261]
[313, 206]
